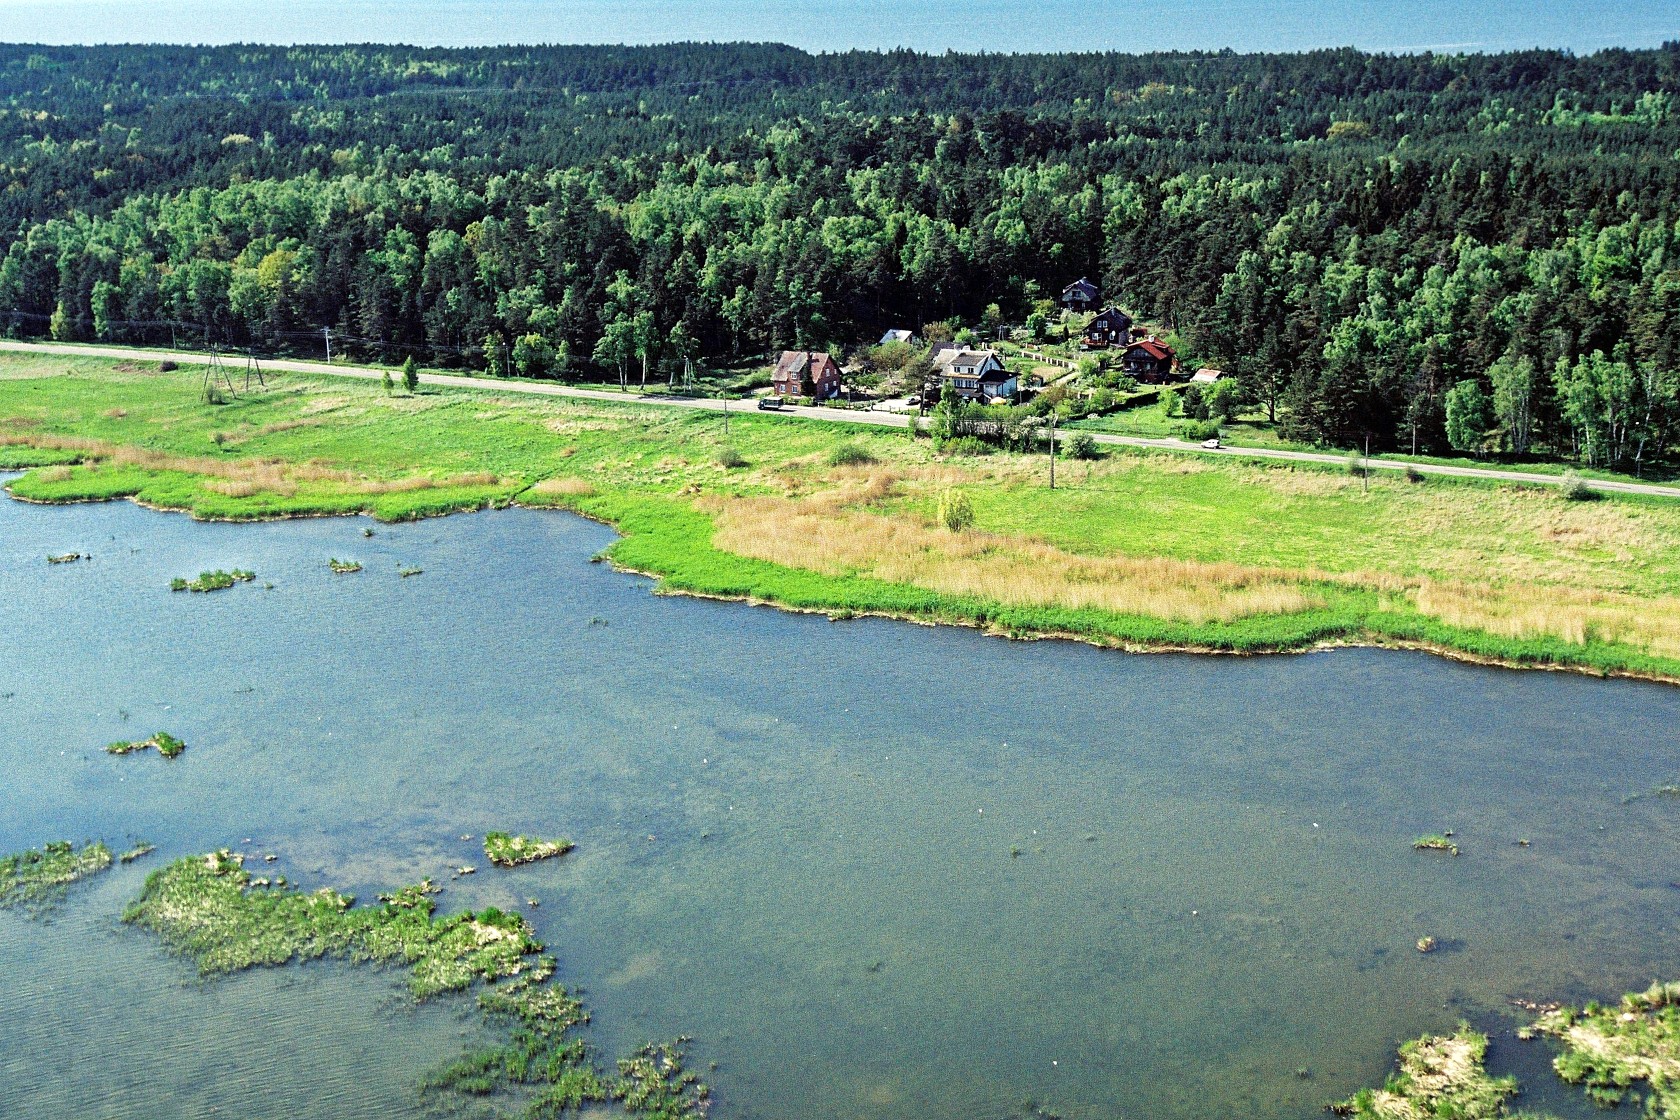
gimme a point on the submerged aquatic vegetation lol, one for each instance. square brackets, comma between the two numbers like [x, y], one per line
[210, 909]
[1443, 1077]
[64, 558]
[406, 572]
[136, 852]
[1608, 1049]
[511, 851]
[1670, 790]
[344, 567]
[167, 745]
[39, 880]
[1435, 844]
[212, 581]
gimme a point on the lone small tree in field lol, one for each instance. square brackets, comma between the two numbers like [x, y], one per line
[956, 512]
[411, 374]
[385, 380]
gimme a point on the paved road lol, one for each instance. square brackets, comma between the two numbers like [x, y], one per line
[836, 415]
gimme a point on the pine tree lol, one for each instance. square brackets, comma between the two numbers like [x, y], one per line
[411, 374]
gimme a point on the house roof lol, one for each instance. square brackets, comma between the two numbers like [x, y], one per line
[1082, 287]
[949, 357]
[1155, 348]
[1207, 375]
[1111, 314]
[797, 363]
[896, 336]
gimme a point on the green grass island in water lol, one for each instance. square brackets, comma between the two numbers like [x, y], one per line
[209, 908]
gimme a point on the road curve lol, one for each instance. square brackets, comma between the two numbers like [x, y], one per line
[834, 415]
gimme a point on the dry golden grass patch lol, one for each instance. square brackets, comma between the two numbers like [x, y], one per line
[241, 478]
[822, 535]
[1569, 614]
[563, 488]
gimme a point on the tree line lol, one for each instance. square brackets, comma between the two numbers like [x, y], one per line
[1432, 252]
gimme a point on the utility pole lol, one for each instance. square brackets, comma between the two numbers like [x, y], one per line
[724, 393]
[1366, 464]
[326, 337]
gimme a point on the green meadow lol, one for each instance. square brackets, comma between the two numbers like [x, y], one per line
[1137, 549]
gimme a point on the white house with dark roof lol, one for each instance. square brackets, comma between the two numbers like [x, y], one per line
[975, 375]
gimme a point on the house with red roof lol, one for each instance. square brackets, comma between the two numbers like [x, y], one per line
[1149, 361]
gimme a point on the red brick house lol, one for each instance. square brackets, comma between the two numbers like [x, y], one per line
[806, 373]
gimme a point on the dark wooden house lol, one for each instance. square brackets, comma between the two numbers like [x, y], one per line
[806, 373]
[1149, 361]
[1112, 327]
[1081, 296]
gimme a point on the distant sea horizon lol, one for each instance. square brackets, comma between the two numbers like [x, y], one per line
[1400, 26]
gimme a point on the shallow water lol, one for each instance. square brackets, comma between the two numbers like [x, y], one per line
[877, 870]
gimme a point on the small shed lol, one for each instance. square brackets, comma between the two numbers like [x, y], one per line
[897, 336]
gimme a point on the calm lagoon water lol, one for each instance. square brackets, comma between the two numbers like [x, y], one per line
[879, 871]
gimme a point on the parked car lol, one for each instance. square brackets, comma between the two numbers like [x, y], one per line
[770, 404]
[1211, 444]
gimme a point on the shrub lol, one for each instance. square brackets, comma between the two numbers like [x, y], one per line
[1082, 446]
[410, 374]
[849, 455]
[1355, 465]
[1575, 489]
[1198, 430]
[167, 366]
[965, 445]
[729, 459]
[1414, 475]
[956, 512]
[386, 382]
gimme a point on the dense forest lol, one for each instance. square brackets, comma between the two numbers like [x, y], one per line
[1426, 251]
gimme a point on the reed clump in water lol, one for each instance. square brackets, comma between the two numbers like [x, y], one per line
[344, 567]
[212, 581]
[1609, 1049]
[64, 558]
[40, 880]
[166, 744]
[1438, 1076]
[511, 851]
[1435, 844]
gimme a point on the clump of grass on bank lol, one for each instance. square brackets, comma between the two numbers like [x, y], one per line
[1435, 844]
[504, 850]
[40, 880]
[210, 909]
[1439, 1078]
[166, 744]
[344, 567]
[1610, 1049]
[212, 581]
